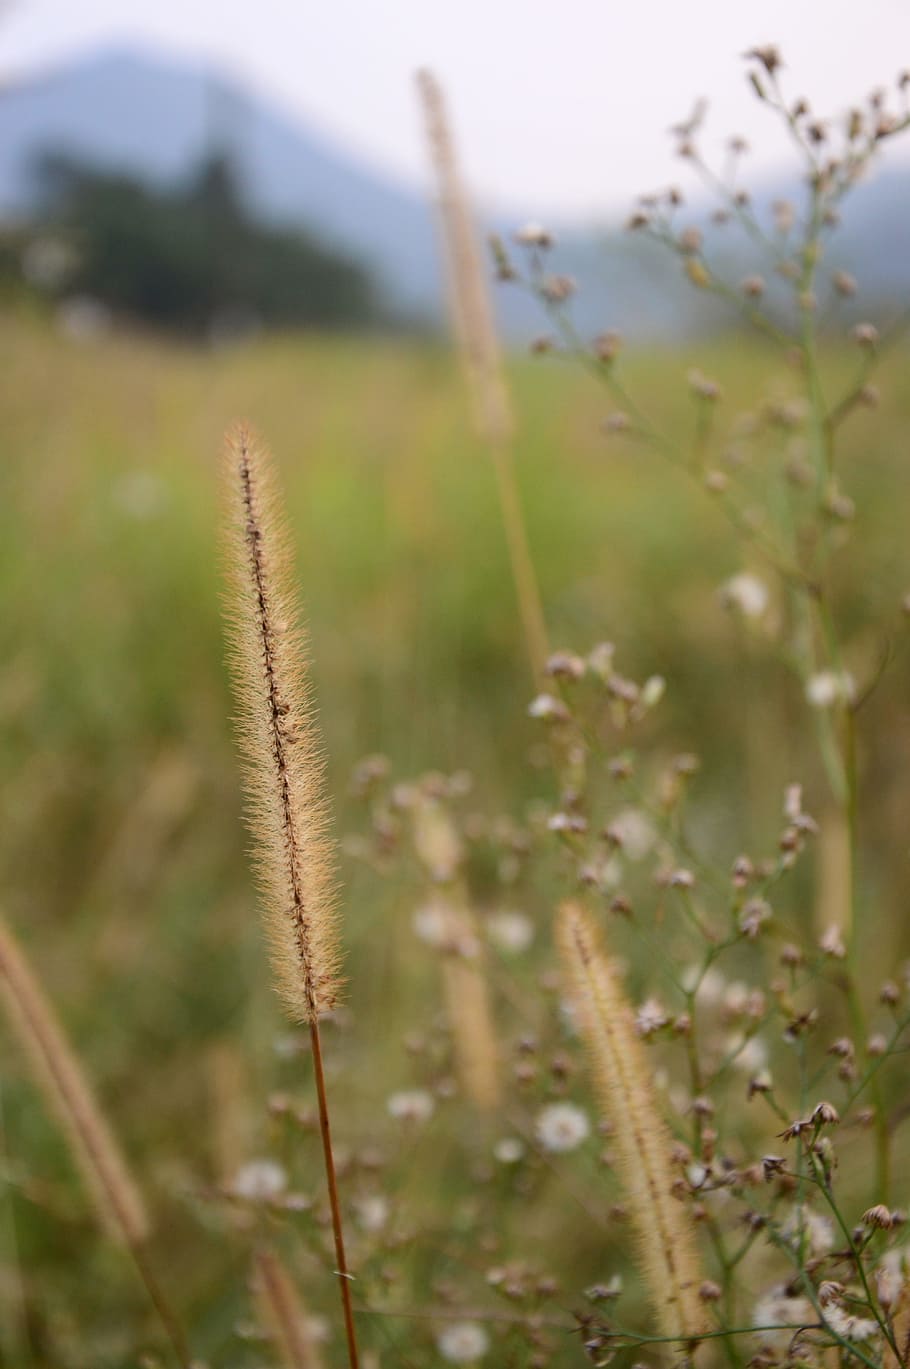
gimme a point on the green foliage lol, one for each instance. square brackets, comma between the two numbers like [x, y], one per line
[192, 260]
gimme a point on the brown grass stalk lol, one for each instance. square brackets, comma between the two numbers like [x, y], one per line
[91, 1141]
[663, 1230]
[283, 1312]
[478, 344]
[286, 809]
[468, 1010]
[439, 850]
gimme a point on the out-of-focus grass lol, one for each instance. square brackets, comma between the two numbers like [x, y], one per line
[120, 848]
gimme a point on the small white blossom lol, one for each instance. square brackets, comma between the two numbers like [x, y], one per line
[829, 687]
[533, 234]
[890, 1277]
[819, 1230]
[832, 942]
[567, 822]
[259, 1181]
[511, 931]
[751, 1055]
[848, 1325]
[736, 998]
[600, 660]
[602, 872]
[650, 1017]
[509, 1150]
[372, 1212]
[561, 1126]
[635, 833]
[463, 1342]
[548, 707]
[746, 593]
[711, 985]
[432, 923]
[414, 1105]
[775, 1309]
[653, 690]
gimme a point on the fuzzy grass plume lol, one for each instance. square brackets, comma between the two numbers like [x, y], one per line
[439, 850]
[284, 774]
[284, 768]
[668, 1254]
[91, 1141]
[478, 344]
[71, 1098]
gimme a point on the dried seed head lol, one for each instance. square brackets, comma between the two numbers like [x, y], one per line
[768, 56]
[642, 1145]
[293, 853]
[71, 1098]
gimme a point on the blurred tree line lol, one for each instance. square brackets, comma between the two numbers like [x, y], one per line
[189, 259]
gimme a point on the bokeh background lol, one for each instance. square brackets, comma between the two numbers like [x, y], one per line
[210, 212]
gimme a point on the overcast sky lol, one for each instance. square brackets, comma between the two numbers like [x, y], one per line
[559, 105]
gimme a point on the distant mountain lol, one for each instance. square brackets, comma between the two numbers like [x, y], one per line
[156, 118]
[121, 110]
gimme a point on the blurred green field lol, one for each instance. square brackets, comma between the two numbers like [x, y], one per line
[121, 846]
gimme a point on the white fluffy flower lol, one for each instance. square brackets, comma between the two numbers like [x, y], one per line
[751, 1054]
[372, 1212]
[411, 1105]
[819, 1230]
[561, 1126]
[509, 1150]
[432, 923]
[511, 931]
[259, 1181]
[318, 1329]
[848, 1325]
[777, 1309]
[746, 593]
[829, 687]
[635, 832]
[533, 234]
[548, 707]
[463, 1342]
[650, 1017]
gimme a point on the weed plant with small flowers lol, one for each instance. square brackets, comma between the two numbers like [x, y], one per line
[775, 1061]
[782, 1061]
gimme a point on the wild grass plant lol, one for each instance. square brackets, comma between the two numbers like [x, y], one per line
[618, 1072]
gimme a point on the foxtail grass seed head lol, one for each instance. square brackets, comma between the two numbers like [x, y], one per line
[286, 809]
[70, 1097]
[470, 1015]
[641, 1141]
[470, 300]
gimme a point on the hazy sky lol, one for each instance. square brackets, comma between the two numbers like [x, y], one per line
[560, 105]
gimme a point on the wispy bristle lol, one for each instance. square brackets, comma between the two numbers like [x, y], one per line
[669, 1258]
[284, 768]
[471, 1020]
[478, 345]
[70, 1097]
[472, 312]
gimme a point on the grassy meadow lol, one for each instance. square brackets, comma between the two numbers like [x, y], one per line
[122, 851]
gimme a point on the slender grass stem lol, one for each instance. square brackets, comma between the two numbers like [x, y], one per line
[344, 1276]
